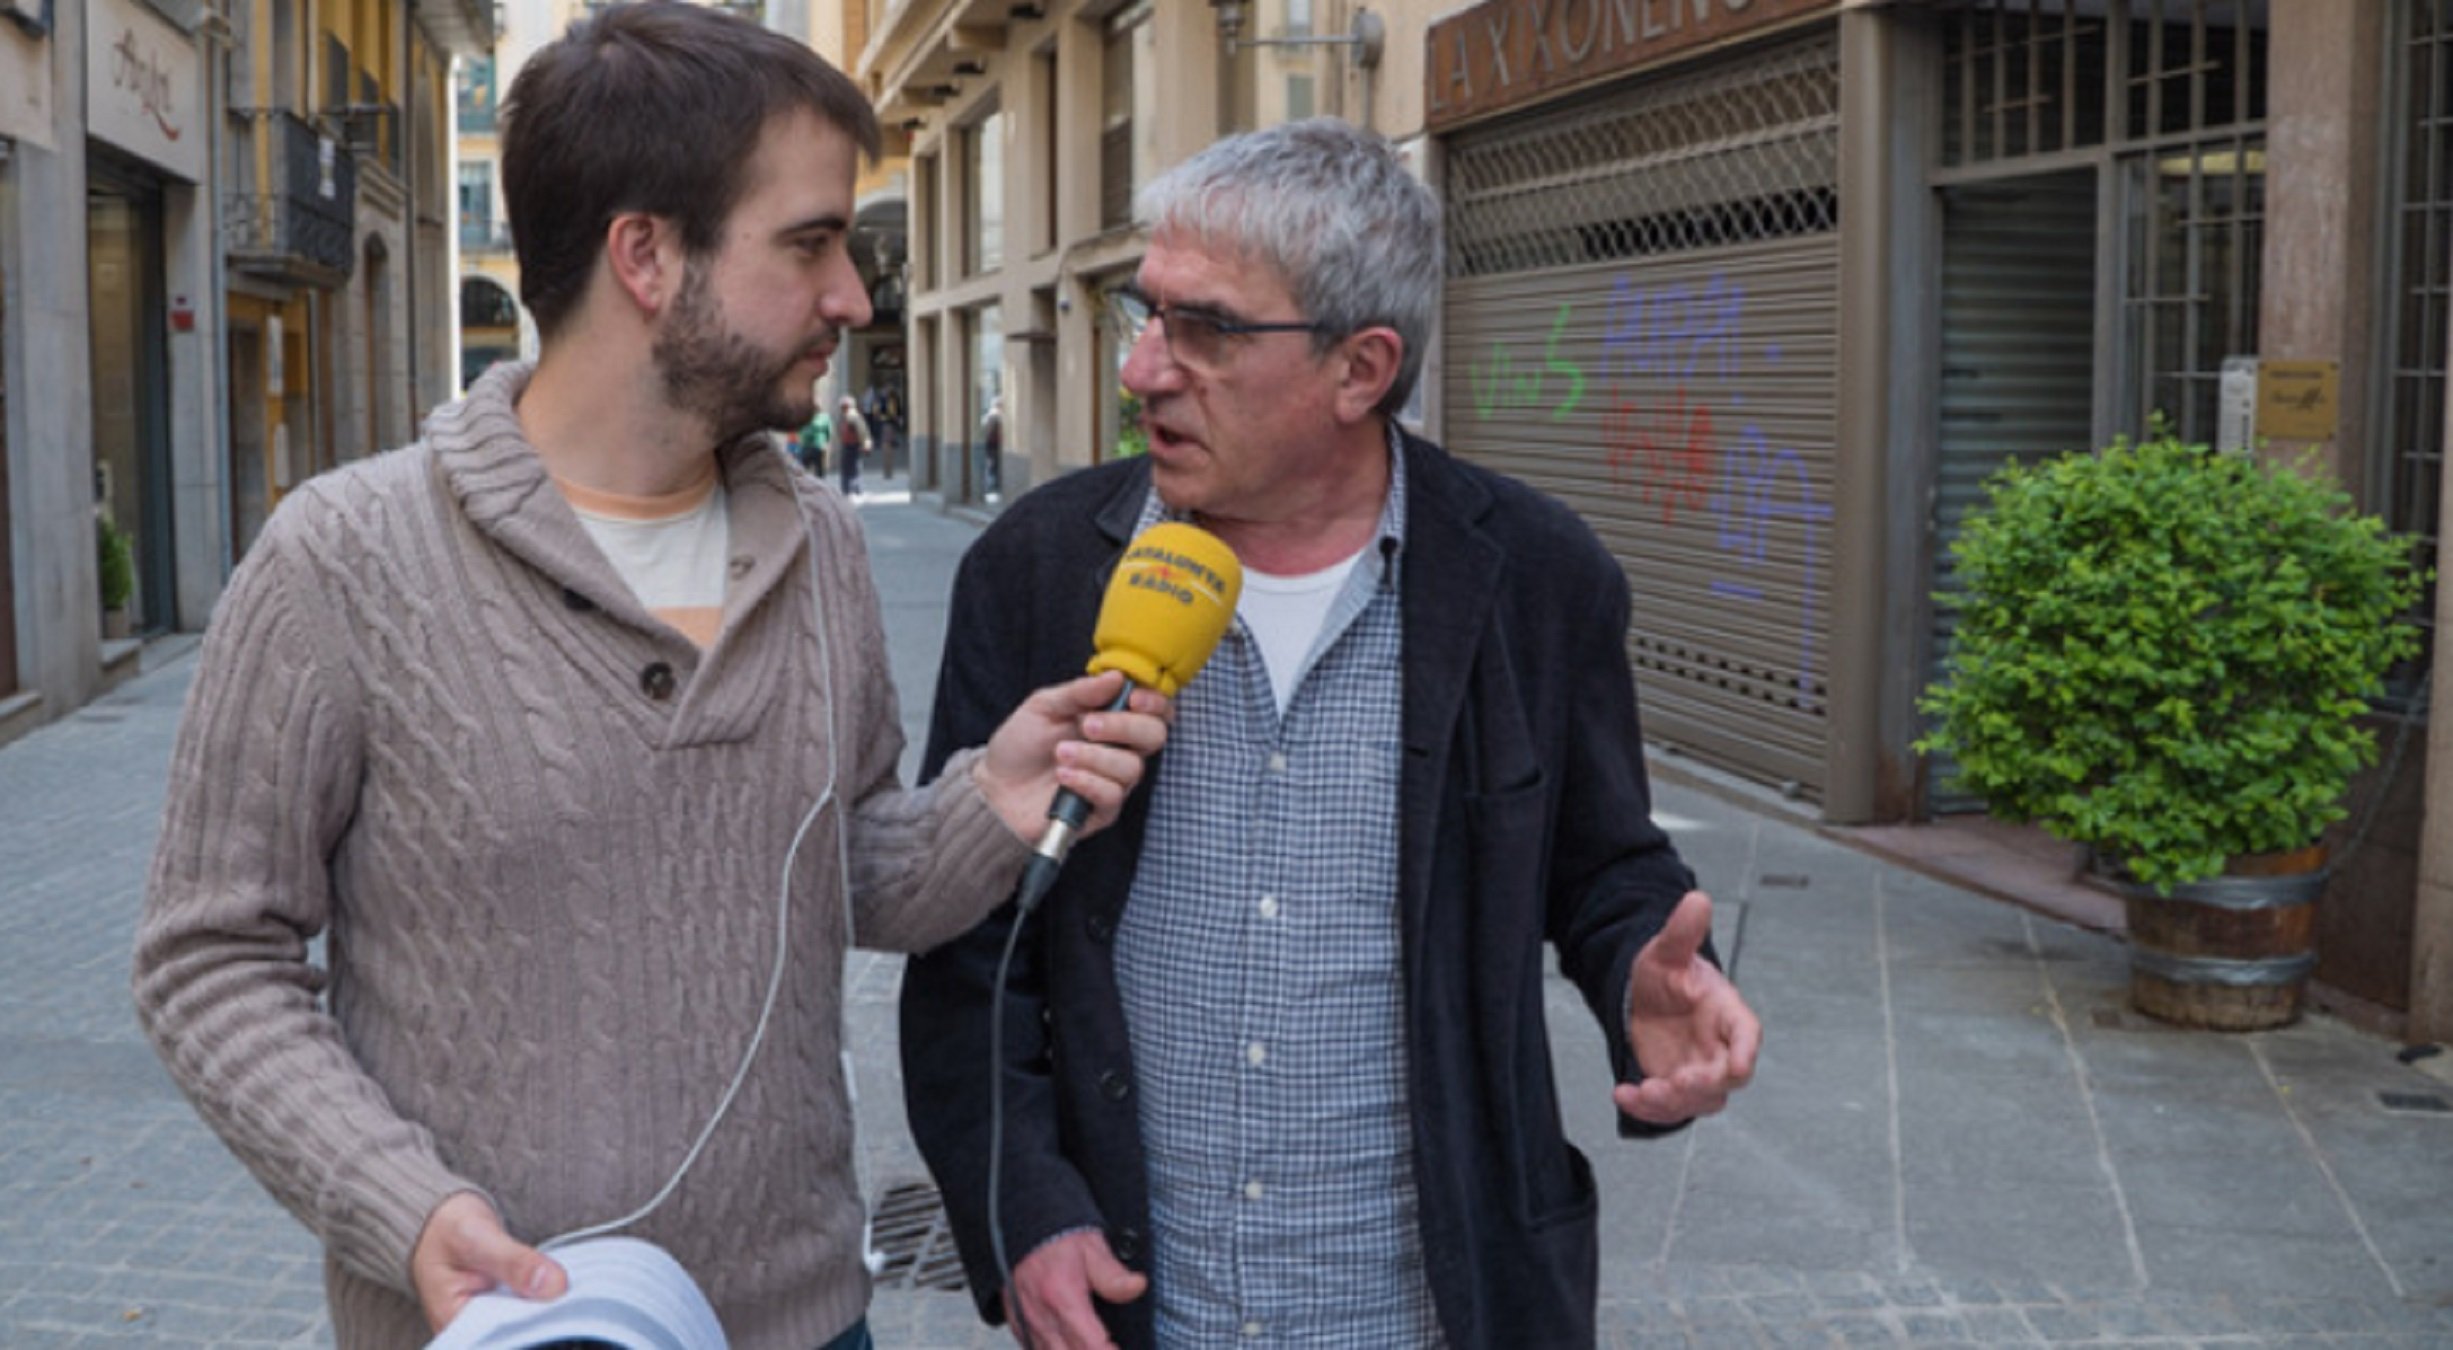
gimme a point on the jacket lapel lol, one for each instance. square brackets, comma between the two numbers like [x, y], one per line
[1450, 579]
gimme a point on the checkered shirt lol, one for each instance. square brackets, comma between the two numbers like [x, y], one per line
[1259, 970]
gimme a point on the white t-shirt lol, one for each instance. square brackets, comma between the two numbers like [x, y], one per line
[671, 549]
[1284, 615]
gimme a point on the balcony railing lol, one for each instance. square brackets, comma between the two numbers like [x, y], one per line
[484, 236]
[370, 130]
[300, 225]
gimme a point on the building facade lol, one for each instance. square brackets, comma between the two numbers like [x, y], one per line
[109, 402]
[1766, 290]
[339, 212]
[222, 268]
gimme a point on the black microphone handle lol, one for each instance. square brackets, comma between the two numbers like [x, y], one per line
[1066, 816]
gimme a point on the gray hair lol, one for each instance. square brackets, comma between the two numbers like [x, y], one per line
[1331, 208]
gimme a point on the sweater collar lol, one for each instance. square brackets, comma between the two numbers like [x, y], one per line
[503, 489]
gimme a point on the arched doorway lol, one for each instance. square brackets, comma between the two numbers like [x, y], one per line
[489, 326]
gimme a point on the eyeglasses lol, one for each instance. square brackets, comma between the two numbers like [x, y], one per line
[1197, 338]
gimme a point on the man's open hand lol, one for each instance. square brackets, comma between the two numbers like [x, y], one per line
[1694, 1038]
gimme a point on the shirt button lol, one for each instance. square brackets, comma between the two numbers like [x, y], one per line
[1252, 1190]
[1277, 761]
[1255, 1053]
[1252, 1331]
[1269, 907]
[657, 681]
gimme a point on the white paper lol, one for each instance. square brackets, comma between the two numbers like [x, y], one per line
[623, 1291]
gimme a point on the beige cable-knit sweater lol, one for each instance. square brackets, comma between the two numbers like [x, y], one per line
[545, 834]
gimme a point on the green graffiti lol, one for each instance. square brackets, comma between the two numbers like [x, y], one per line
[1500, 385]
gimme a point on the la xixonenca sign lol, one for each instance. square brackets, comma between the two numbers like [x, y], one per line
[1502, 53]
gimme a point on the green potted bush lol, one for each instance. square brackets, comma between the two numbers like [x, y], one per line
[115, 571]
[2163, 653]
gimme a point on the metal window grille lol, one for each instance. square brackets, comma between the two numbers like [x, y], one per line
[1732, 153]
[2022, 77]
[2420, 218]
[2032, 77]
[2196, 219]
[2174, 90]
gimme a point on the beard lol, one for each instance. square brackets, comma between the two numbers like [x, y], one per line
[713, 371]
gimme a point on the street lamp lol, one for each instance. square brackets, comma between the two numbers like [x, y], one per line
[1366, 34]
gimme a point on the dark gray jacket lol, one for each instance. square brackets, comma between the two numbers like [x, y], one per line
[1524, 817]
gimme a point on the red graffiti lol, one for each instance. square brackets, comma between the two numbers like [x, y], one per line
[1665, 452]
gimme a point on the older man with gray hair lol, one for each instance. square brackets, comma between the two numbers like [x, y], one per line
[1275, 1066]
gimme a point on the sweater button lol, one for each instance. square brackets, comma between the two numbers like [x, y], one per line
[1115, 1087]
[1128, 1245]
[1102, 926]
[657, 681]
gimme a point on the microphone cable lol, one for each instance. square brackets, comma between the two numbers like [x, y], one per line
[1067, 816]
[996, 1122]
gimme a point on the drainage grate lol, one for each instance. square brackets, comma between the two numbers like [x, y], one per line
[919, 1248]
[2415, 1103]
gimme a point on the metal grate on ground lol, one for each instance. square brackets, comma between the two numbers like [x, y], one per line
[910, 1229]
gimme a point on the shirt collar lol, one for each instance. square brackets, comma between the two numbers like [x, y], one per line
[1381, 561]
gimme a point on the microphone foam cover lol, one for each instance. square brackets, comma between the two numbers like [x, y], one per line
[1169, 602]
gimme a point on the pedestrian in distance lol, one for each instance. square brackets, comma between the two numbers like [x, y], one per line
[851, 444]
[809, 446]
[570, 728]
[1275, 1067]
[992, 447]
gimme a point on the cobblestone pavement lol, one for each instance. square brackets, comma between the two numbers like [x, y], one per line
[1956, 1139]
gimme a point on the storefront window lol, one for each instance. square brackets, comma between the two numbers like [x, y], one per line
[1128, 122]
[984, 182]
[131, 447]
[989, 426]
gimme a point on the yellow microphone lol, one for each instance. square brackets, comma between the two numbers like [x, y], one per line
[1169, 601]
[1167, 605]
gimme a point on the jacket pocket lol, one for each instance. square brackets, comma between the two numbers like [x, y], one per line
[1508, 835]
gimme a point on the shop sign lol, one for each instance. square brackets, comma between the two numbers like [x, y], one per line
[1503, 53]
[142, 86]
[2298, 400]
[25, 86]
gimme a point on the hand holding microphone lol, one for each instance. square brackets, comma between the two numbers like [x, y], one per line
[1170, 600]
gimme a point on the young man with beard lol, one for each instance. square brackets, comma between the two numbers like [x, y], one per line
[570, 726]
[1276, 1070]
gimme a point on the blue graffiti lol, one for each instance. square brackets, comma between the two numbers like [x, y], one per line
[1679, 332]
[1760, 488]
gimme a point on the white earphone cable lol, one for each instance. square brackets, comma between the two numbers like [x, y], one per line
[775, 977]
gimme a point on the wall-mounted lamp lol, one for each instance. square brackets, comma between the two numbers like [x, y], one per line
[1366, 34]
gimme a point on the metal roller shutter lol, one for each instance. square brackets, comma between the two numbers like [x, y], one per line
[2018, 334]
[1642, 319]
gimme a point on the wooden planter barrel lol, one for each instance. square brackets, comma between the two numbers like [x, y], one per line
[2231, 953]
